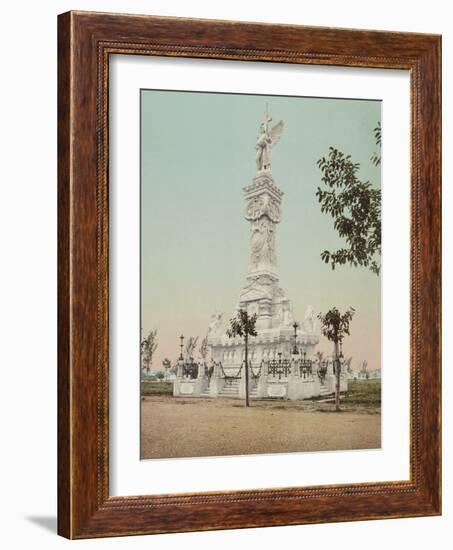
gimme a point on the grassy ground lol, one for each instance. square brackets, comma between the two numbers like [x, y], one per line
[363, 392]
[155, 387]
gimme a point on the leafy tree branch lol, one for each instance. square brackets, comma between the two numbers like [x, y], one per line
[355, 207]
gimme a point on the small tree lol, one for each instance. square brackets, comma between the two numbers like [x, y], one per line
[364, 368]
[347, 364]
[148, 347]
[243, 325]
[191, 345]
[204, 349]
[335, 326]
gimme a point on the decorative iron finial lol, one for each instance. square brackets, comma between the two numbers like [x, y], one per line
[295, 327]
[181, 345]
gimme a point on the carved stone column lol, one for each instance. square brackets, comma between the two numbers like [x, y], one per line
[263, 211]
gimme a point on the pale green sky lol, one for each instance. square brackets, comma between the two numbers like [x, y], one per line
[198, 152]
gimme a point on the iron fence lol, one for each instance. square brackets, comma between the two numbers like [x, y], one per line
[279, 368]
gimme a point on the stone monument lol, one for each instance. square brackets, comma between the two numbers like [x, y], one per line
[281, 356]
[262, 293]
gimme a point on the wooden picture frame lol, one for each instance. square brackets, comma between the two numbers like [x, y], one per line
[85, 42]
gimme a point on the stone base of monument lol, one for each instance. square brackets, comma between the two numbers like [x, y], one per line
[299, 388]
[187, 387]
[230, 383]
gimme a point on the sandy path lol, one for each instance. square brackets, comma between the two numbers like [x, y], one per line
[176, 427]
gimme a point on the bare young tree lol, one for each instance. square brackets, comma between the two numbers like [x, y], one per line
[191, 345]
[204, 349]
[335, 326]
[347, 364]
[148, 347]
[243, 325]
[364, 368]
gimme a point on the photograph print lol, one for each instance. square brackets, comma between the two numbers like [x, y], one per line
[260, 274]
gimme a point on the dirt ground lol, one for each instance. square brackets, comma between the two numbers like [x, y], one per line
[179, 427]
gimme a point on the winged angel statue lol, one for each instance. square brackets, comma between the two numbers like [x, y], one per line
[266, 140]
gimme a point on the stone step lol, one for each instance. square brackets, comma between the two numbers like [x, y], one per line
[330, 399]
[236, 390]
[231, 389]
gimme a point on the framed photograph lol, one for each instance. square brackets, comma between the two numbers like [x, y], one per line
[249, 275]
